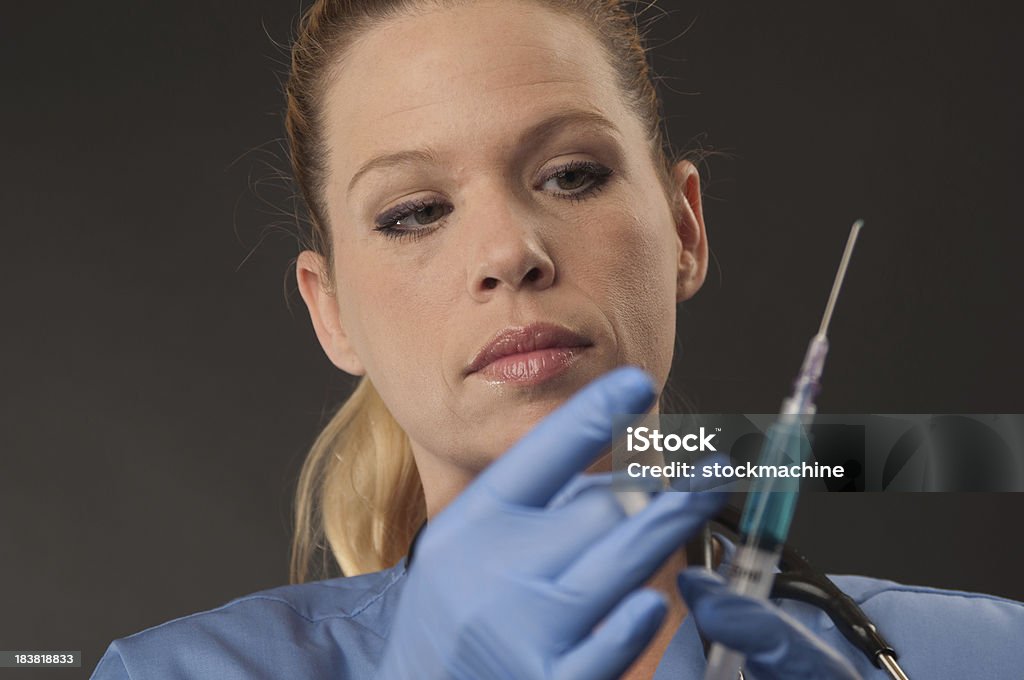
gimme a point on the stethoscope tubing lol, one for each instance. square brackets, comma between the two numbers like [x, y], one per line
[800, 581]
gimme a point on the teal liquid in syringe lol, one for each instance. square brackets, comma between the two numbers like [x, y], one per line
[771, 502]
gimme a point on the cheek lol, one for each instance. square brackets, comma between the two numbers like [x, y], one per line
[638, 283]
[396, 311]
[401, 309]
[390, 309]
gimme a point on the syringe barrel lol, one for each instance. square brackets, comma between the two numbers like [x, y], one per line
[752, 573]
[723, 663]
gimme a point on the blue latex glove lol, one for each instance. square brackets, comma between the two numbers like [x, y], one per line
[508, 585]
[777, 647]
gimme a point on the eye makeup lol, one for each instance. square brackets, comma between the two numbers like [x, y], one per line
[574, 180]
[594, 176]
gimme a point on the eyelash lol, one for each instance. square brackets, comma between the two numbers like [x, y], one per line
[599, 176]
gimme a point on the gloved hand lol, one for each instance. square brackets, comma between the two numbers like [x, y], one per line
[777, 646]
[507, 585]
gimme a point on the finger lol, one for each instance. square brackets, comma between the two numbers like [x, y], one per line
[631, 553]
[578, 484]
[568, 440]
[578, 523]
[776, 645]
[608, 651]
[583, 482]
[541, 541]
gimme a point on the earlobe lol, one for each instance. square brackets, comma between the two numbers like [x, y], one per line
[322, 302]
[689, 222]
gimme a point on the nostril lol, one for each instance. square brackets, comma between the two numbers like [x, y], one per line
[490, 283]
[533, 275]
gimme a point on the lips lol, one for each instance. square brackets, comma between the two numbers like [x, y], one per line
[529, 353]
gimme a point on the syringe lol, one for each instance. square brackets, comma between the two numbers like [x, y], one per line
[771, 501]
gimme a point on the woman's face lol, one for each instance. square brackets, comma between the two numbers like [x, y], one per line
[501, 236]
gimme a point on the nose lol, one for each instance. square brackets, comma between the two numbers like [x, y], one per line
[507, 253]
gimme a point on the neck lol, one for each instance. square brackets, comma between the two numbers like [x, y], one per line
[664, 581]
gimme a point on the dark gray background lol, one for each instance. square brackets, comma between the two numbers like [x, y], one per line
[159, 395]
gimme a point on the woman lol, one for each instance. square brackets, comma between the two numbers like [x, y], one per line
[496, 229]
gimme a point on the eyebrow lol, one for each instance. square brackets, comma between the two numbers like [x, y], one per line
[534, 136]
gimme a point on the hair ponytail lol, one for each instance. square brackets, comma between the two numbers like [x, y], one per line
[359, 496]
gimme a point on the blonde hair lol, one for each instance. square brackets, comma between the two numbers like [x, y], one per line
[358, 489]
[359, 496]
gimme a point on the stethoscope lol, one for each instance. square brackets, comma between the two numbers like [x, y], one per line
[800, 581]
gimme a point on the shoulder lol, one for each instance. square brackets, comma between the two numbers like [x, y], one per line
[935, 609]
[307, 630]
[937, 633]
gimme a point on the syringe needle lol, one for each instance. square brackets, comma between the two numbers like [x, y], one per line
[840, 275]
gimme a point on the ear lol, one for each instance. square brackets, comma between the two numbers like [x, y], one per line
[693, 239]
[321, 300]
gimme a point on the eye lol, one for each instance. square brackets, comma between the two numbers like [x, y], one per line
[577, 179]
[412, 218]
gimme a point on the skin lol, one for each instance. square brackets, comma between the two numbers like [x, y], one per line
[469, 84]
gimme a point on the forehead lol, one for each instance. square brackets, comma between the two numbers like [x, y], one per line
[468, 75]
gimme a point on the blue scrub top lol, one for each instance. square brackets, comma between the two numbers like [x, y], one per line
[337, 629]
